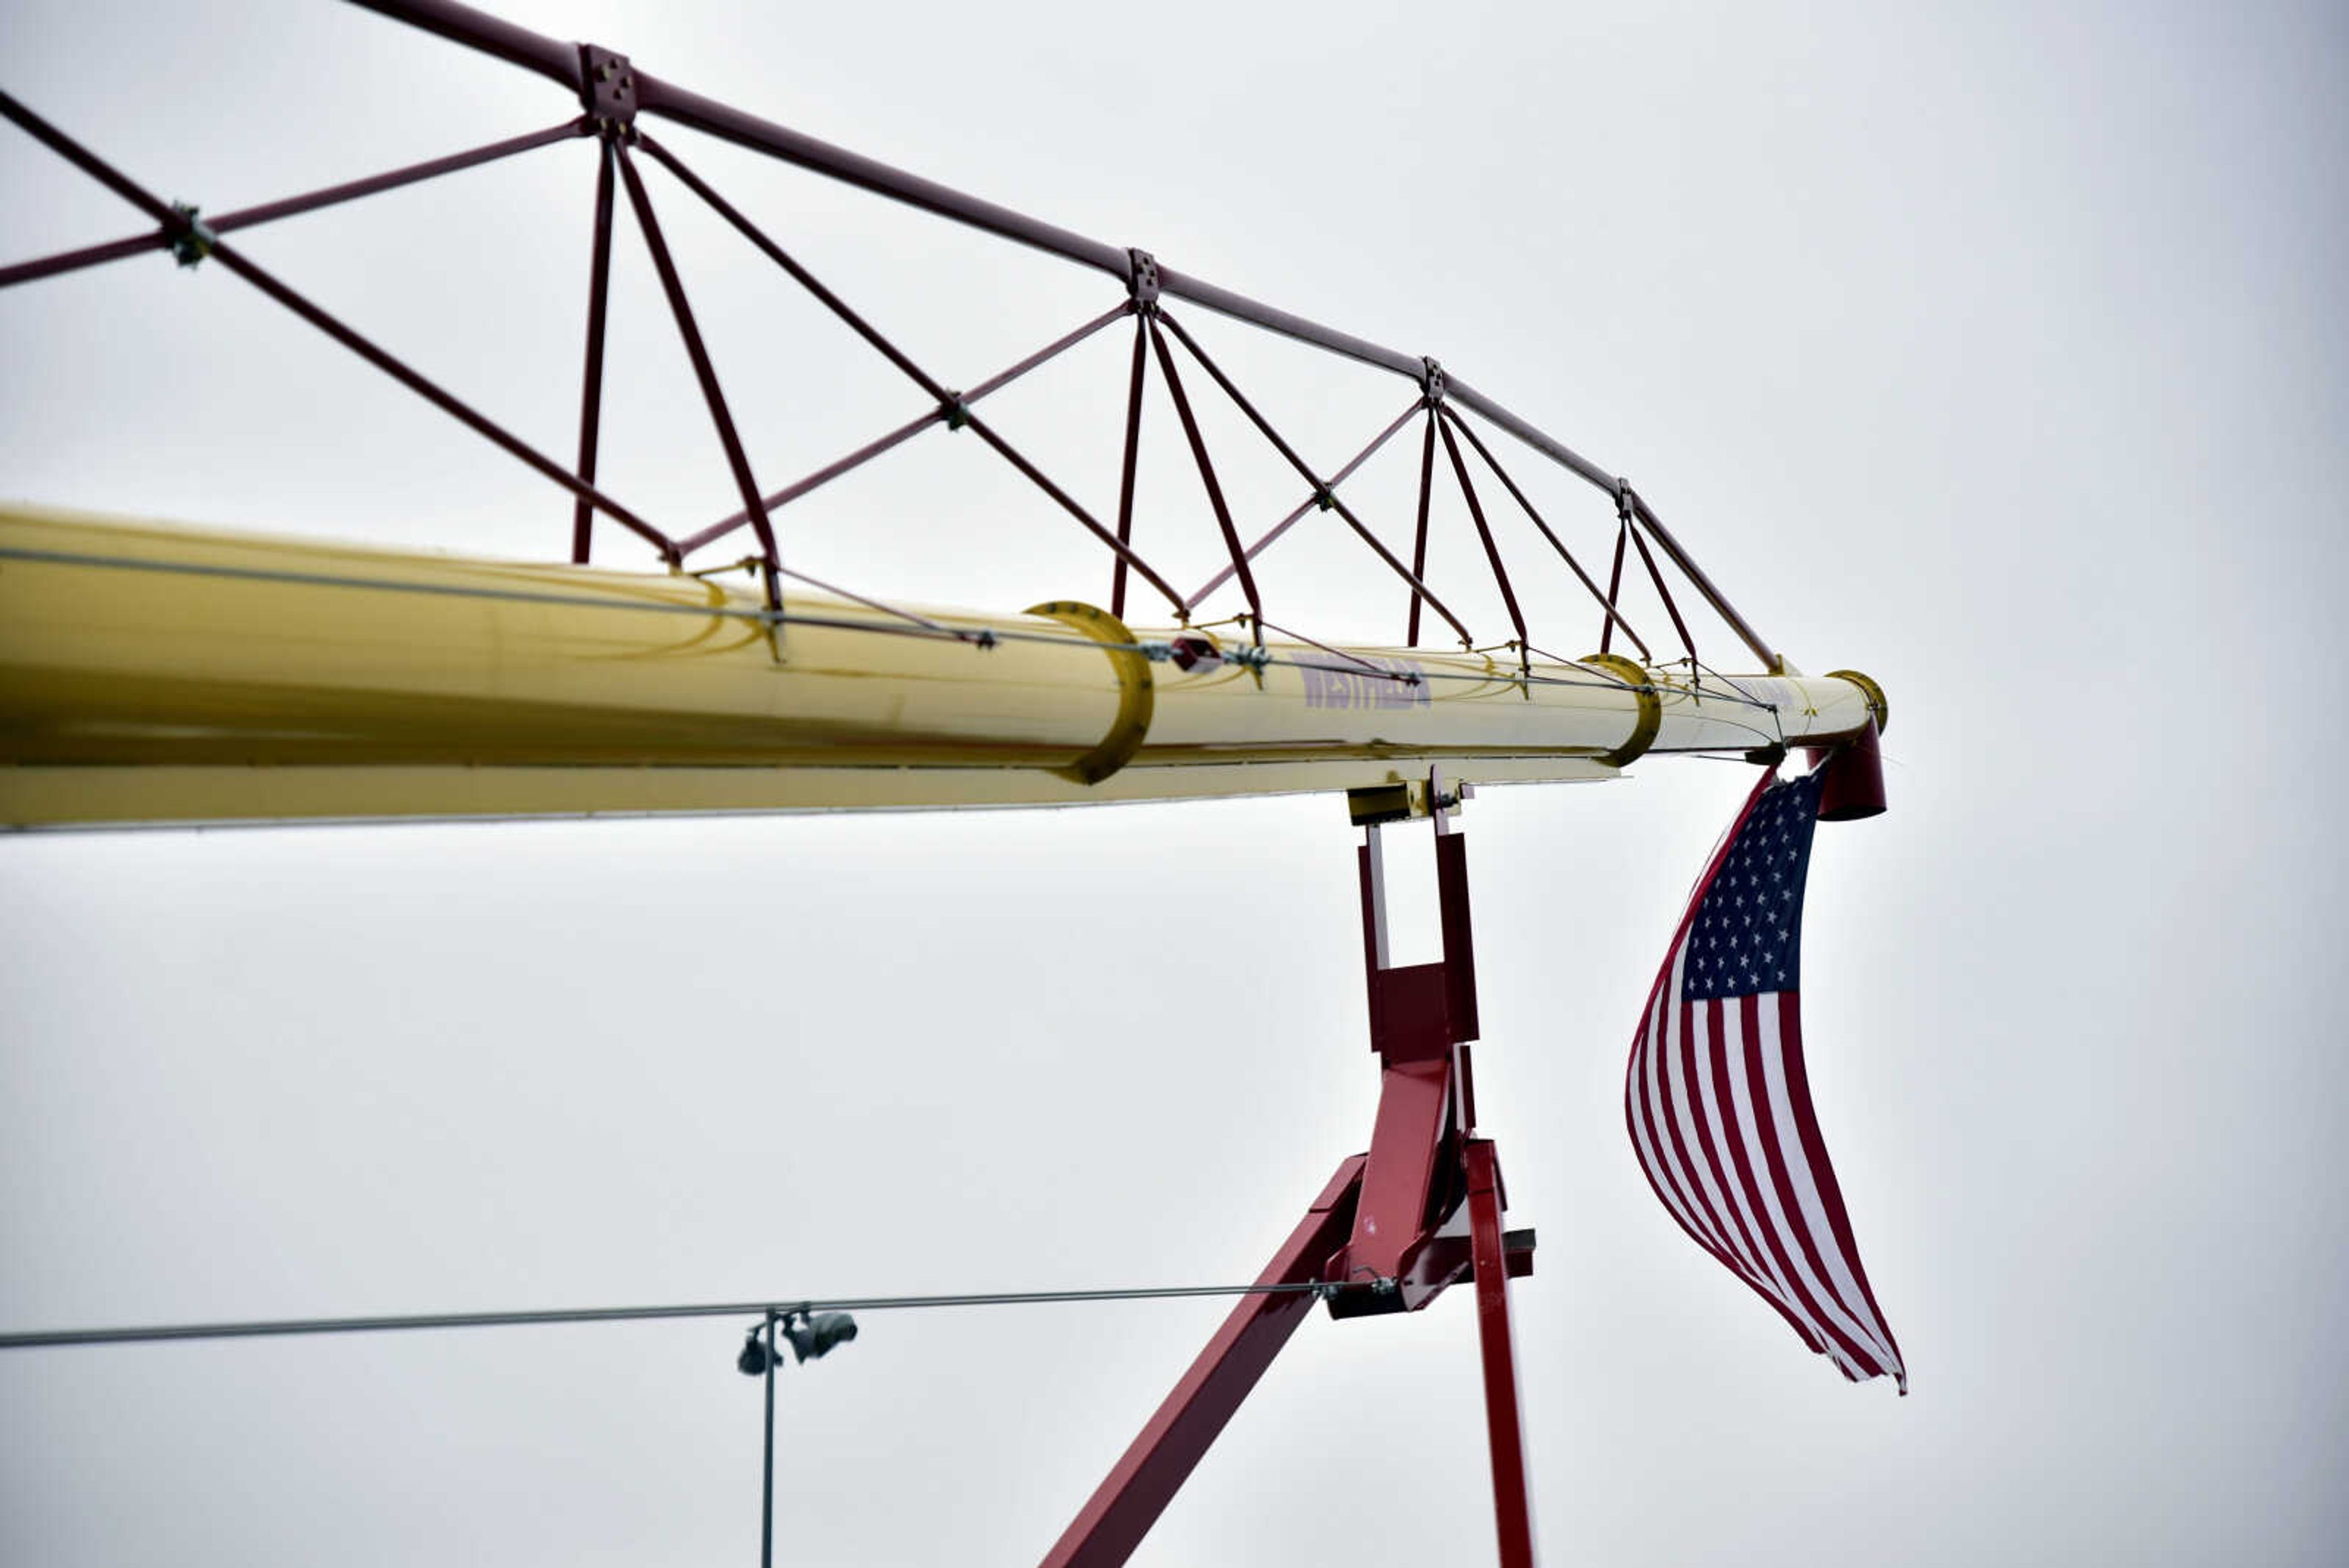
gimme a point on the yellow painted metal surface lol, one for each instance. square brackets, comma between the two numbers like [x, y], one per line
[150, 673]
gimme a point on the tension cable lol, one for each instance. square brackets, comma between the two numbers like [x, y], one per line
[779, 1309]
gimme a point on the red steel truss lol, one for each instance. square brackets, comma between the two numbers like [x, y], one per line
[616, 96]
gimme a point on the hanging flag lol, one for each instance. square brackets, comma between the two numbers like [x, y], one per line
[1718, 1102]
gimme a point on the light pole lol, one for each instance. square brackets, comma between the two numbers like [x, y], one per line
[809, 1337]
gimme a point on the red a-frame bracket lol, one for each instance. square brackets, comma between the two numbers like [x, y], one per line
[1393, 1228]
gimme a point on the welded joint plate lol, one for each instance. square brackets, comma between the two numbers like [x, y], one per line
[608, 87]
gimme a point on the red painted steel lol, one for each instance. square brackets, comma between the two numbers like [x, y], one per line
[1466, 1058]
[175, 223]
[181, 225]
[1137, 1490]
[704, 371]
[800, 275]
[1605, 601]
[1419, 536]
[1366, 870]
[1854, 785]
[1504, 1428]
[1223, 574]
[590, 390]
[1322, 492]
[1688, 643]
[1130, 464]
[1206, 473]
[1614, 583]
[953, 406]
[86, 256]
[1388, 1234]
[1391, 1219]
[1075, 509]
[1410, 1015]
[1491, 550]
[290, 206]
[557, 62]
[1449, 1257]
[393, 179]
[1420, 1015]
[447, 403]
[911, 428]
[1459, 938]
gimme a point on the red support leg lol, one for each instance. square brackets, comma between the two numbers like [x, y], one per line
[1512, 1508]
[1392, 1231]
[1130, 1500]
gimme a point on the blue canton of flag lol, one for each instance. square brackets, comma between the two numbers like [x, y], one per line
[1748, 933]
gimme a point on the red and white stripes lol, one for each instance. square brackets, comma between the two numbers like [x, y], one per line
[1719, 1109]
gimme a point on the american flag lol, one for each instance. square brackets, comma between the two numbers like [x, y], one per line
[1718, 1103]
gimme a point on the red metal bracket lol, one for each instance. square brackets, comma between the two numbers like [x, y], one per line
[1142, 280]
[1423, 1017]
[1418, 1212]
[607, 89]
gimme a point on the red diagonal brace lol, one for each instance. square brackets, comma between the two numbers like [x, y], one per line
[1130, 1500]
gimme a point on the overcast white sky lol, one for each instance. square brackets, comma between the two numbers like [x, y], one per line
[1994, 350]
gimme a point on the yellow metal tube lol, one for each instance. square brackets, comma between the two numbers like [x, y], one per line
[150, 673]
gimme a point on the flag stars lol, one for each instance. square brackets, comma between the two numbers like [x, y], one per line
[1746, 934]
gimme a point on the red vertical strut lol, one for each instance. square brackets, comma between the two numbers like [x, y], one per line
[1512, 1508]
[590, 395]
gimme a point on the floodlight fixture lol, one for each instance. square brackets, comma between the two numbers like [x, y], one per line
[809, 1337]
[812, 1336]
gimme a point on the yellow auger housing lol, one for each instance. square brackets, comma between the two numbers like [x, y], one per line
[151, 673]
